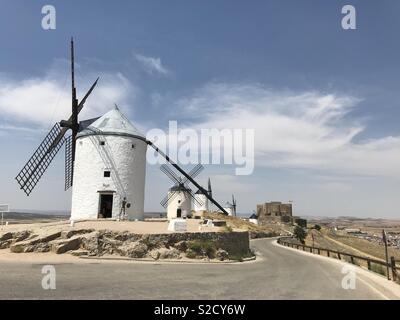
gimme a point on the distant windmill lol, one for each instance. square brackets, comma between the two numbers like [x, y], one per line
[201, 196]
[231, 207]
[33, 170]
[180, 196]
[234, 205]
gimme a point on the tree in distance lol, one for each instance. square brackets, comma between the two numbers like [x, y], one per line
[300, 234]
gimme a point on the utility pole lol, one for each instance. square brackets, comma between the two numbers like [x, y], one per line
[384, 239]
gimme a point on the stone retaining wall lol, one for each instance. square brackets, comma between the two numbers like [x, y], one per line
[235, 243]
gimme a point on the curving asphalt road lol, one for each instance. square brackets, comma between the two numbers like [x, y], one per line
[279, 273]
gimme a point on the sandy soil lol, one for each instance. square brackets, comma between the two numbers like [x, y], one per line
[38, 258]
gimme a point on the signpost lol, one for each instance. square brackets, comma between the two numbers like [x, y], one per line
[4, 208]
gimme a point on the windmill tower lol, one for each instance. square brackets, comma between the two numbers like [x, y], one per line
[202, 203]
[178, 201]
[231, 207]
[110, 169]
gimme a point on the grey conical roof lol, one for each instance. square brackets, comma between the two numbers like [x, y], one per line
[113, 122]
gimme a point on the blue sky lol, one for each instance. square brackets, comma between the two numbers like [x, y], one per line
[323, 100]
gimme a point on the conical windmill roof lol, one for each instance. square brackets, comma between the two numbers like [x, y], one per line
[113, 122]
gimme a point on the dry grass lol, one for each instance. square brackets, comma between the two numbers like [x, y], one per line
[371, 248]
[237, 223]
[352, 245]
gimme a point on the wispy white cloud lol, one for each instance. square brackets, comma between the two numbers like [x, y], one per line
[309, 130]
[152, 65]
[46, 99]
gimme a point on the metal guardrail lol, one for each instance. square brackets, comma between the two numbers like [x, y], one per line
[392, 264]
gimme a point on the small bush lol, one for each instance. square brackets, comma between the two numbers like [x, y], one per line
[203, 247]
[317, 227]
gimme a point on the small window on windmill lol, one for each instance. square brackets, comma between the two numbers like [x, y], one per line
[102, 143]
[107, 174]
[133, 146]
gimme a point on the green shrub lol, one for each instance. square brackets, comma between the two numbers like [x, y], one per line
[301, 222]
[317, 227]
[300, 234]
[203, 247]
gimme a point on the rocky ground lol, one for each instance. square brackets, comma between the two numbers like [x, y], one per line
[98, 243]
[139, 239]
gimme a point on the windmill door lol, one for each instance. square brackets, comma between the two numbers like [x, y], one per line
[105, 207]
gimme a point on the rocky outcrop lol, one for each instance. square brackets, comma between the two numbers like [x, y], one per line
[37, 244]
[70, 233]
[80, 242]
[133, 250]
[65, 245]
[8, 238]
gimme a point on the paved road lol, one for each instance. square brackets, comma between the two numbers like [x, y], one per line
[282, 274]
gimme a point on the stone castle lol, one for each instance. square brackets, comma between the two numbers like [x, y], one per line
[274, 211]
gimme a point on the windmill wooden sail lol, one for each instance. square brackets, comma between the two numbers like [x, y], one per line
[38, 163]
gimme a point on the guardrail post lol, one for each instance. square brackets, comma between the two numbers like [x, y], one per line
[352, 259]
[319, 251]
[369, 264]
[339, 256]
[304, 248]
[394, 271]
[328, 253]
[311, 250]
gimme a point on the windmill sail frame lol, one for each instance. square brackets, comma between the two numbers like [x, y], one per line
[33, 170]
[69, 168]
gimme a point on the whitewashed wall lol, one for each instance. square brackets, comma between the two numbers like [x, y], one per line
[186, 204]
[128, 173]
[229, 210]
[203, 200]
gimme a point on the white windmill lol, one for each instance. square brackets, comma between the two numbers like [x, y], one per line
[231, 207]
[202, 204]
[110, 170]
[105, 163]
[179, 198]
